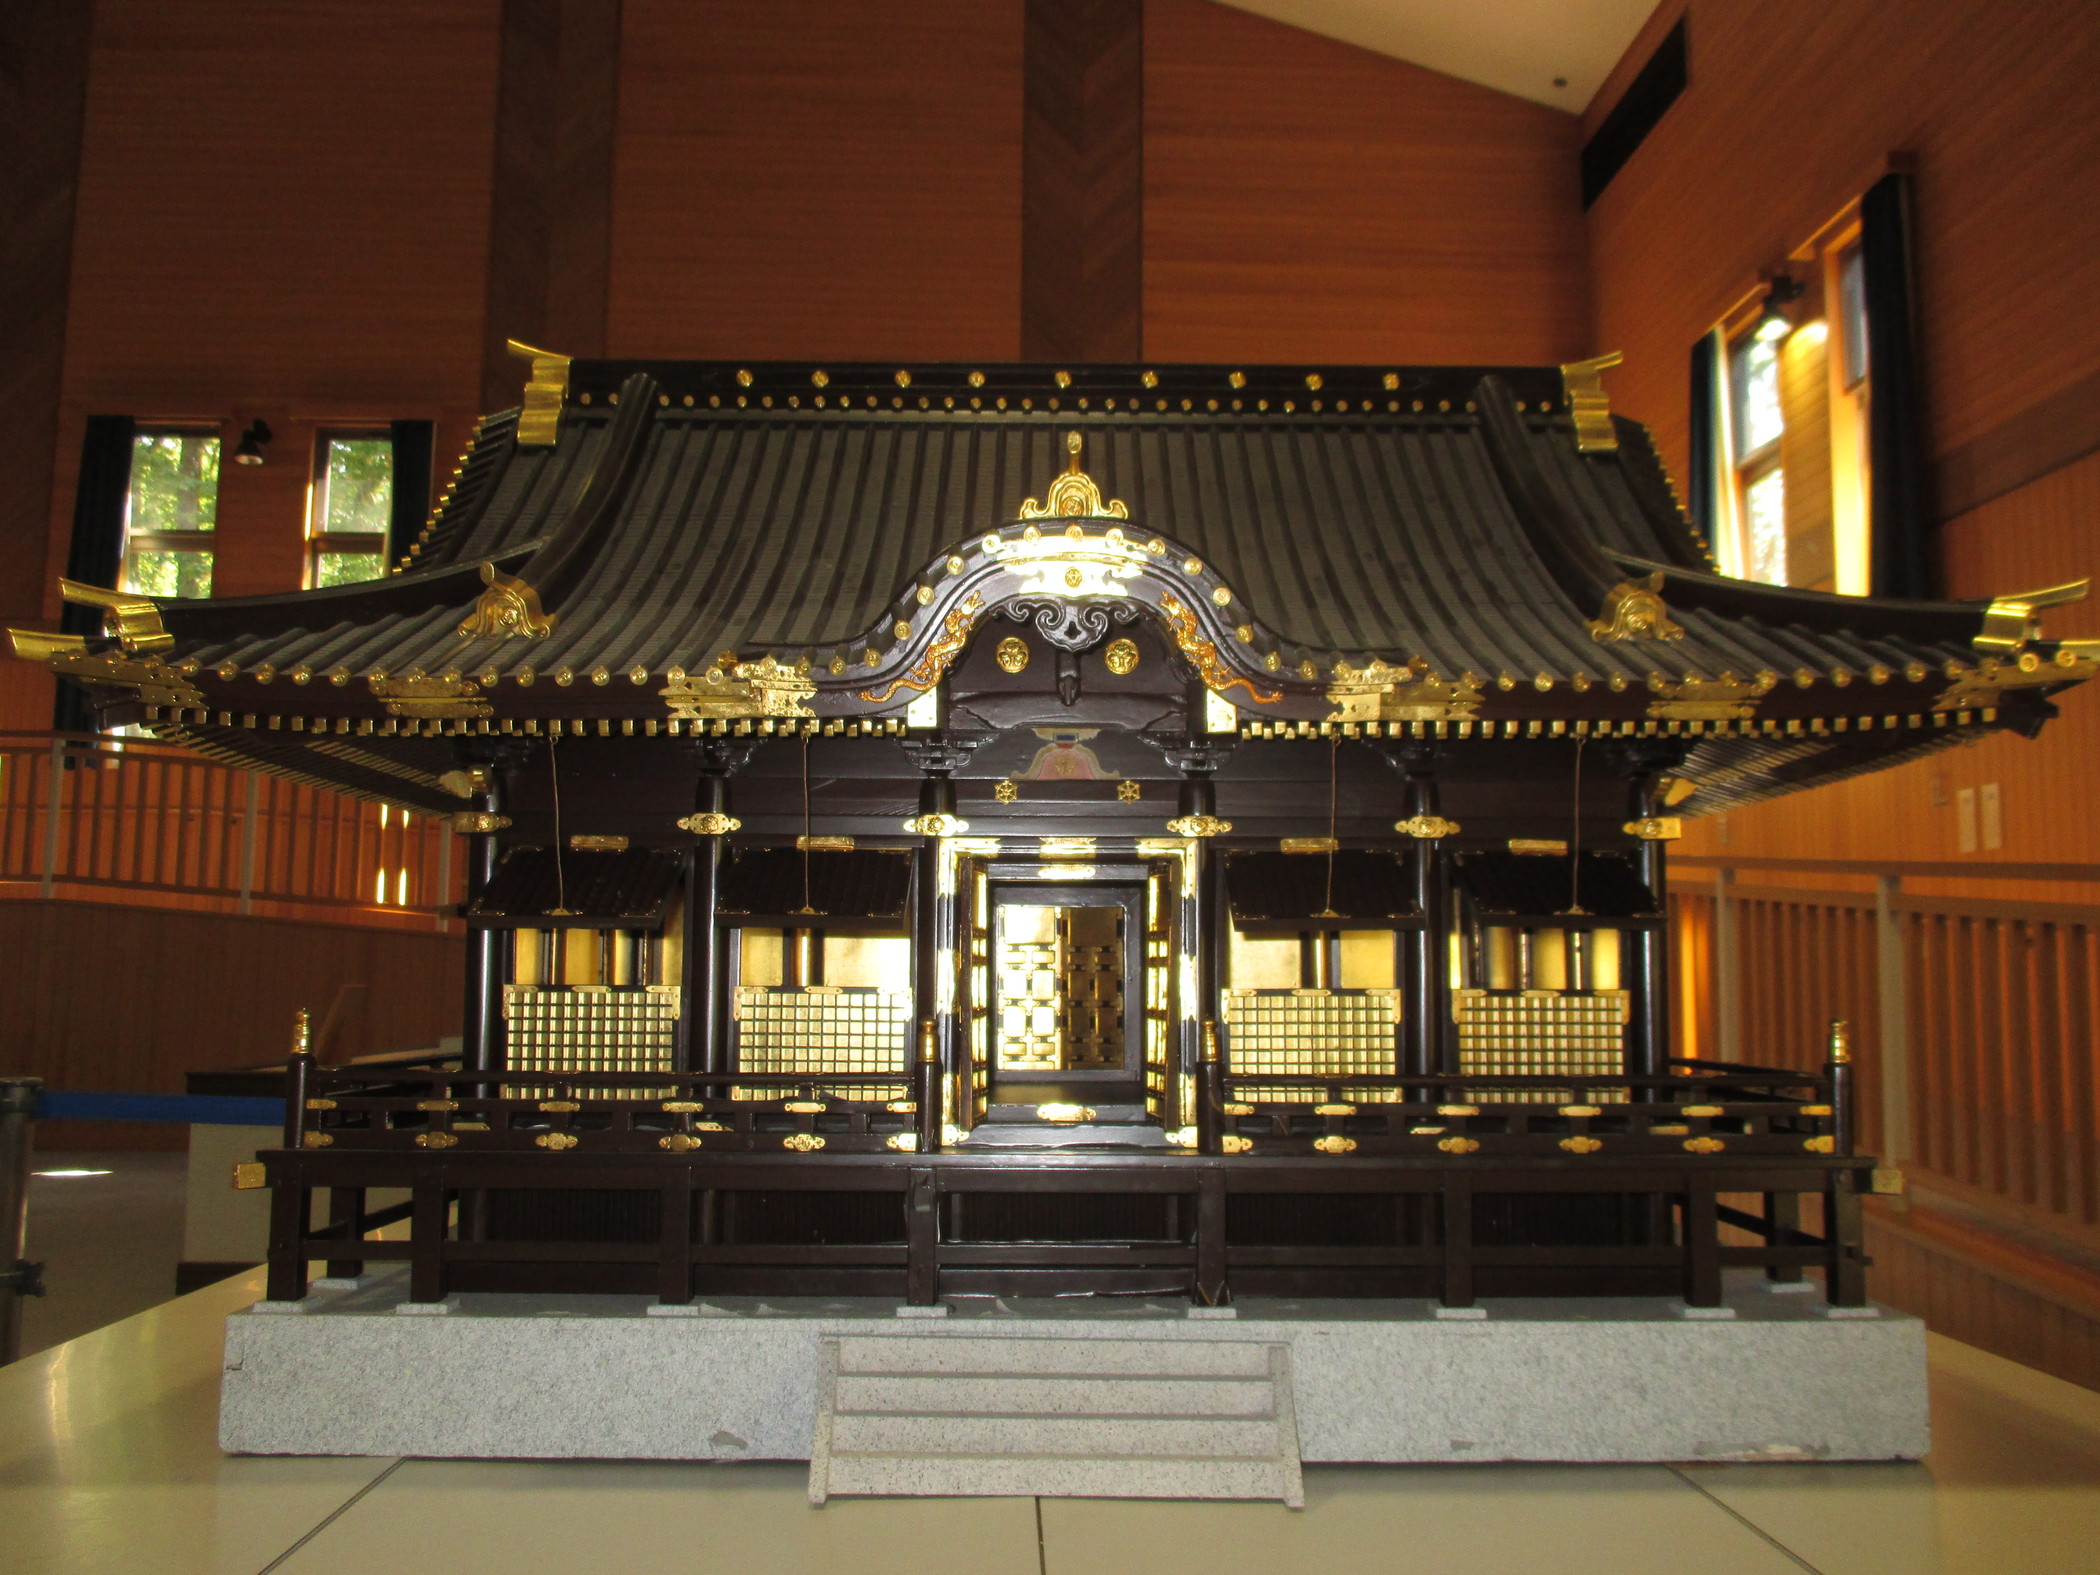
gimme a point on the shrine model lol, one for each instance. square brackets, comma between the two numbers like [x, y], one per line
[1188, 831]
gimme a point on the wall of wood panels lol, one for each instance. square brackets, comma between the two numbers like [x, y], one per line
[818, 178]
[126, 998]
[1309, 201]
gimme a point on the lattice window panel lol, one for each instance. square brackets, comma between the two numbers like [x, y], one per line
[1313, 1033]
[1541, 1033]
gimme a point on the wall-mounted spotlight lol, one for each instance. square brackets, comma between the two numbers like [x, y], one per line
[250, 449]
[1772, 321]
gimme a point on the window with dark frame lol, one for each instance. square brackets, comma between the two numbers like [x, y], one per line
[171, 511]
[349, 505]
[1758, 425]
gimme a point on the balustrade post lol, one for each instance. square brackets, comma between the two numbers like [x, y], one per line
[1893, 996]
[18, 1276]
[54, 800]
[1209, 1093]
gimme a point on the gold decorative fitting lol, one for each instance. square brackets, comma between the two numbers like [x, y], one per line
[1583, 385]
[1007, 792]
[584, 843]
[1065, 847]
[1550, 846]
[820, 378]
[1814, 1110]
[804, 1142]
[1309, 845]
[824, 844]
[1888, 1182]
[131, 620]
[317, 1140]
[1703, 1145]
[476, 822]
[1203, 654]
[1634, 610]
[320, 1104]
[684, 1107]
[1232, 1143]
[709, 823]
[250, 1174]
[557, 1141]
[539, 422]
[902, 1107]
[1334, 1110]
[437, 1104]
[149, 678]
[1580, 1145]
[954, 635]
[937, 824]
[1066, 1114]
[902, 1142]
[1379, 693]
[1572, 1111]
[1199, 826]
[1826, 1144]
[1314, 381]
[678, 1142]
[1722, 699]
[1334, 1145]
[1074, 495]
[1702, 1110]
[1458, 1110]
[805, 1107]
[977, 380]
[1427, 828]
[509, 607]
[1459, 1145]
[1129, 792]
[1237, 1110]
[1012, 654]
[41, 645]
[436, 1140]
[1121, 657]
[1840, 1041]
[558, 1106]
[2011, 621]
[1655, 828]
[732, 689]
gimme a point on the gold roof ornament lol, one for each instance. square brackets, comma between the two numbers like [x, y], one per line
[443, 696]
[509, 607]
[731, 689]
[1075, 494]
[539, 421]
[131, 620]
[1589, 404]
[2011, 621]
[1381, 693]
[1634, 610]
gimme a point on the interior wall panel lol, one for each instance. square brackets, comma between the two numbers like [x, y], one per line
[1306, 200]
[818, 178]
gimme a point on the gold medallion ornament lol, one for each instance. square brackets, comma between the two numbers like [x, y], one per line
[1634, 610]
[1427, 828]
[1199, 826]
[1122, 657]
[1012, 654]
[1655, 828]
[1075, 494]
[1007, 792]
[1129, 792]
[708, 823]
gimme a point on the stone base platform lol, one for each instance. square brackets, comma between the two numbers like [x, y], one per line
[355, 1370]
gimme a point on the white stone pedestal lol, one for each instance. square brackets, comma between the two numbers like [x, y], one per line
[1624, 1379]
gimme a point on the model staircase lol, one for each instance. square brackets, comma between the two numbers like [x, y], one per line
[958, 1415]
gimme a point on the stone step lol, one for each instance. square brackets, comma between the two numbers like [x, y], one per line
[972, 1356]
[1077, 1394]
[939, 1433]
[1063, 1416]
[882, 1476]
[1051, 1134]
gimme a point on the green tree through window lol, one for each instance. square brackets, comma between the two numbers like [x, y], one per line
[171, 512]
[352, 502]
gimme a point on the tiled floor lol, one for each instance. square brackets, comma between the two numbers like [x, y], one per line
[107, 1464]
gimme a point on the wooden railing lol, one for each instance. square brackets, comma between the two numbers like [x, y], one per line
[1973, 1019]
[132, 820]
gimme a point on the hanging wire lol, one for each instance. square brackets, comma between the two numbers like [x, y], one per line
[1575, 837]
[561, 882]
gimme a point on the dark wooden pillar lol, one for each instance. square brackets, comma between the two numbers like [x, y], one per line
[703, 1006]
[1083, 181]
[550, 207]
[1645, 973]
[1427, 1038]
[481, 1030]
[934, 911]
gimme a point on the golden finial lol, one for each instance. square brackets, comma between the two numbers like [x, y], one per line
[928, 1051]
[302, 1031]
[1840, 1042]
[1210, 1039]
